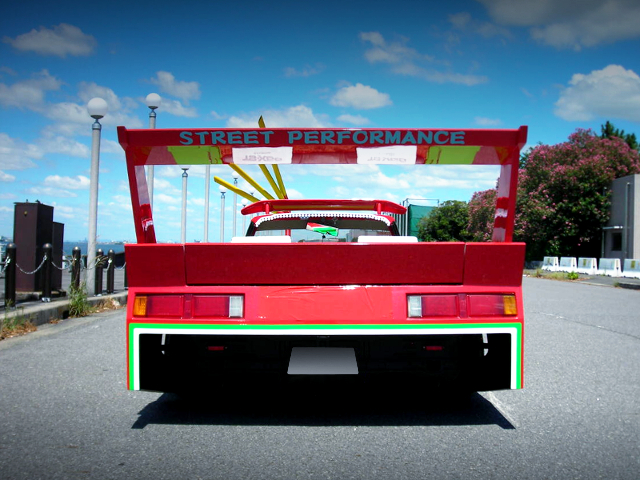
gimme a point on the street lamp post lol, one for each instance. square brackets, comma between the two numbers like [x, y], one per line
[223, 190]
[97, 108]
[244, 202]
[235, 176]
[183, 227]
[153, 101]
[207, 181]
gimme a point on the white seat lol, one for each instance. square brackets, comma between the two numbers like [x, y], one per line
[263, 239]
[386, 239]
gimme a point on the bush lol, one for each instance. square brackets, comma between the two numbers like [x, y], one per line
[78, 304]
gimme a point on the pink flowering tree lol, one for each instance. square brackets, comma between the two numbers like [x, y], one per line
[563, 195]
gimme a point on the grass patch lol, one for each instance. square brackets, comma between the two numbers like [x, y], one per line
[78, 304]
[562, 276]
[15, 325]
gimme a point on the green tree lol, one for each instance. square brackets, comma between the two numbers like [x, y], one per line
[608, 130]
[563, 195]
[447, 223]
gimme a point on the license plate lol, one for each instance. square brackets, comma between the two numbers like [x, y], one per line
[322, 361]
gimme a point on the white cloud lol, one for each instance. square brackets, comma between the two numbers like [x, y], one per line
[5, 177]
[568, 24]
[61, 40]
[408, 61]
[51, 192]
[612, 92]
[183, 90]
[361, 97]
[29, 93]
[294, 194]
[353, 119]
[299, 116]
[89, 90]
[487, 122]
[463, 21]
[306, 71]
[58, 144]
[79, 182]
[166, 199]
[216, 116]
[174, 107]
[16, 154]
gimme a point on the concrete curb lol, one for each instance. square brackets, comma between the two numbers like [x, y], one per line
[42, 313]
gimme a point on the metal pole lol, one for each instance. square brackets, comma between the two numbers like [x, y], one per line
[183, 230]
[244, 218]
[99, 272]
[10, 276]
[152, 124]
[221, 217]
[111, 267]
[93, 207]
[235, 205]
[47, 251]
[75, 269]
[207, 182]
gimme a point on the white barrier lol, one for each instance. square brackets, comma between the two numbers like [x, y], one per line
[609, 267]
[568, 264]
[550, 264]
[588, 266]
[631, 268]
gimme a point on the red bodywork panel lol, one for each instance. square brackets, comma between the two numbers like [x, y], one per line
[326, 264]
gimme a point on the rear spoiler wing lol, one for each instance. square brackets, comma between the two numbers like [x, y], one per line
[323, 146]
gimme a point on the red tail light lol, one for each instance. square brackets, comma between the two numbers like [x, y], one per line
[461, 305]
[189, 306]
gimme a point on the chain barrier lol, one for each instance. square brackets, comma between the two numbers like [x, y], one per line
[5, 264]
[98, 261]
[44, 258]
[60, 268]
[122, 267]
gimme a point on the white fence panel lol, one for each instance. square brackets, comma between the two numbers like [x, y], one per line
[588, 266]
[609, 267]
[568, 264]
[631, 268]
[550, 264]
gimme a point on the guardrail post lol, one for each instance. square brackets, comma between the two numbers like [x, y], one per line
[99, 268]
[75, 269]
[10, 276]
[111, 268]
[47, 251]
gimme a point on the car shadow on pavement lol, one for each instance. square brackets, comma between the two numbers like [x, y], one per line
[322, 402]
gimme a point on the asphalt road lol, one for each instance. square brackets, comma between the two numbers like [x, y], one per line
[65, 413]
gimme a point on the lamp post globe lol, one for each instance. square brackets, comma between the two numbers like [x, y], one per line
[153, 100]
[97, 108]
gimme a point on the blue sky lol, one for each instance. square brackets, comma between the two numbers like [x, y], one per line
[554, 65]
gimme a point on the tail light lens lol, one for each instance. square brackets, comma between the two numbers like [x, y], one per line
[492, 305]
[433, 306]
[189, 306]
[461, 305]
